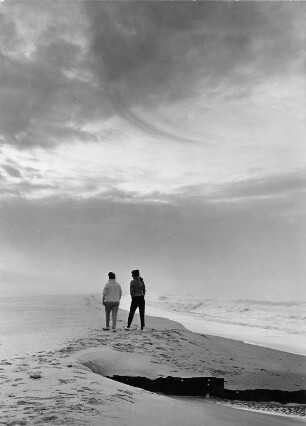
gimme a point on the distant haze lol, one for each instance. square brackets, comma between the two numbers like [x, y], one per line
[163, 136]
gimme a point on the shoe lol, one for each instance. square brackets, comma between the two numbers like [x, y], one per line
[106, 328]
[114, 330]
[127, 328]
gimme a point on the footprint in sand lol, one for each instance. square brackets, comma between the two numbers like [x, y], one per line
[48, 418]
[94, 401]
[65, 381]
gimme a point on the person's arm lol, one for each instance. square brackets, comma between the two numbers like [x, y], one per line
[120, 293]
[132, 289]
[105, 291]
[144, 287]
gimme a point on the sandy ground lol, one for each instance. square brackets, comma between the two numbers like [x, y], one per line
[54, 387]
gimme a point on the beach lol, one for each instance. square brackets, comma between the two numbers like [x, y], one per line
[49, 365]
[152, 150]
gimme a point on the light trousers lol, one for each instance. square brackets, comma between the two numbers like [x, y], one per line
[111, 307]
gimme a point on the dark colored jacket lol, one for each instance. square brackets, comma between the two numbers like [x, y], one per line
[137, 287]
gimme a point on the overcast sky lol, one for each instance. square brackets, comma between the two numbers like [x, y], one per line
[163, 136]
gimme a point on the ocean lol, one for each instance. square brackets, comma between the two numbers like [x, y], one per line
[277, 325]
[32, 323]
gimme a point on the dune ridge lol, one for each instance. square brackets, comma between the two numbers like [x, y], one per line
[53, 387]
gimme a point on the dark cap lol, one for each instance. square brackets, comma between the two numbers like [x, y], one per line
[135, 273]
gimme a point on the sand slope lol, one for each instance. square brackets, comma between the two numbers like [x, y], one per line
[73, 395]
[66, 392]
[242, 365]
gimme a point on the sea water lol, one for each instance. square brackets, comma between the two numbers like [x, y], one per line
[277, 325]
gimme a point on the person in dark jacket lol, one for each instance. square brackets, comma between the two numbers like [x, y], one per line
[137, 291]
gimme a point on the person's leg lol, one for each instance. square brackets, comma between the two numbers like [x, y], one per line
[114, 315]
[107, 314]
[133, 308]
[142, 312]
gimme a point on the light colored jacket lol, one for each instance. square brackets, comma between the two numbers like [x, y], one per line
[112, 291]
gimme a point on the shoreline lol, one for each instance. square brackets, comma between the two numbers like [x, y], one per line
[66, 391]
[199, 325]
[213, 327]
[268, 338]
[279, 410]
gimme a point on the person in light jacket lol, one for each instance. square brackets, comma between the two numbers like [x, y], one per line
[137, 291]
[111, 298]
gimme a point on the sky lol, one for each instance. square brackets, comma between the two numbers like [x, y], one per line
[162, 136]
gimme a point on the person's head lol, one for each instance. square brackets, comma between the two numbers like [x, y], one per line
[111, 276]
[135, 273]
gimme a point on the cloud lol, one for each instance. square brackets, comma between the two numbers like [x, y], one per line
[12, 171]
[118, 221]
[41, 106]
[47, 92]
[228, 249]
[149, 128]
[132, 59]
[156, 53]
[288, 186]
[272, 197]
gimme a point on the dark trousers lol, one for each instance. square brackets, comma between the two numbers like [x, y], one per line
[137, 302]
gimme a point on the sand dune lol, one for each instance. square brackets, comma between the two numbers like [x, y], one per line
[54, 387]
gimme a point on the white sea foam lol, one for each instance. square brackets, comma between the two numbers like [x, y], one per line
[278, 325]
